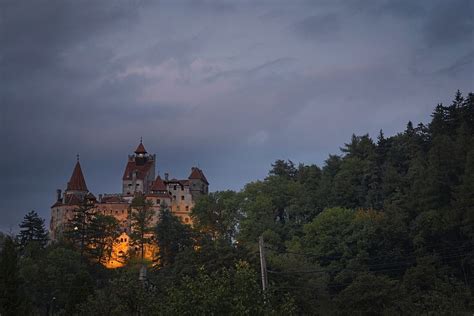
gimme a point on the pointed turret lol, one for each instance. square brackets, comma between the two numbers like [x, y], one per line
[197, 174]
[139, 172]
[77, 182]
[140, 149]
[158, 185]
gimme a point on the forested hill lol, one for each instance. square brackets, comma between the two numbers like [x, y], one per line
[385, 227]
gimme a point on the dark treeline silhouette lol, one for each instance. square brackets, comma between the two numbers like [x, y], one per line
[386, 227]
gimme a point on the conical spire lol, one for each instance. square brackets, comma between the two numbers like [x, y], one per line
[140, 149]
[158, 185]
[77, 182]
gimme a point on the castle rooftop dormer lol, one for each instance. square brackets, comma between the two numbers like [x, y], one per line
[77, 181]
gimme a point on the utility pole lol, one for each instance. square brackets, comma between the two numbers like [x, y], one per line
[263, 264]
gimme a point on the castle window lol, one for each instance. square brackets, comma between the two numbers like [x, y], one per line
[187, 208]
[174, 197]
[123, 211]
[121, 239]
[186, 219]
[182, 197]
[174, 188]
[158, 201]
[177, 208]
[129, 184]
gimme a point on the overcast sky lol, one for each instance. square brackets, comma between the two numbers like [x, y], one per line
[226, 86]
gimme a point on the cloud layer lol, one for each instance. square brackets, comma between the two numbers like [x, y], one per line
[228, 86]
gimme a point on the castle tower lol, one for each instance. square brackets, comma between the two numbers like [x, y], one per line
[198, 182]
[76, 186]
[139, 172]
[63, 210]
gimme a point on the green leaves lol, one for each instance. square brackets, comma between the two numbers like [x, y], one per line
[172, 237]
[141, 217]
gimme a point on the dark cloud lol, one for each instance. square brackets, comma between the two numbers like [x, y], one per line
[319, 26]
[450, 23]
[229, 87]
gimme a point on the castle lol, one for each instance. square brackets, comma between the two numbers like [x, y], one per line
[138, 179]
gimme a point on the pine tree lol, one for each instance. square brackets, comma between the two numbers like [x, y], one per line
[172, 236]
[141, 218]
[103, 230]
[78, 229]
[32, 230]
[282, 168]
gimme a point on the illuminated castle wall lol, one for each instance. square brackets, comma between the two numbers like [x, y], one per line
[138, 178]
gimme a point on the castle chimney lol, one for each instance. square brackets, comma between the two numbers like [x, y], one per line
[166, 176]
[100, 198]
[58, 195]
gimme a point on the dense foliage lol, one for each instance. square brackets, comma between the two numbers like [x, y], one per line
[386, 227]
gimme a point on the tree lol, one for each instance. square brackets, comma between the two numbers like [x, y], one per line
[326, 235]
[141, 222]
[325, 192]
[427, 289]
[369, 294]
[32, 230]
[224, 292]
[67, 280]
[285, 169]
[104, 230]
[78, 229]
[172, 237]
[122, 295]
[217, 214]
[11, 297]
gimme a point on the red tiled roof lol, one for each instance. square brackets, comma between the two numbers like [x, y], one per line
[58, 203]
[161, 195]
[111, 199]
[197, 174]
[72, 199]
[183, 182]
[140, 149]
[142, 170]
[158, 185]
[77, 182]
